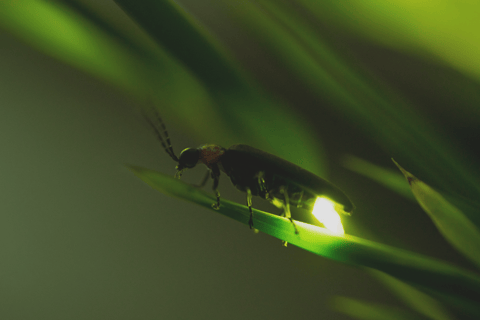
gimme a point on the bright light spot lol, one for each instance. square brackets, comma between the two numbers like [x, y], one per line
[324, 211]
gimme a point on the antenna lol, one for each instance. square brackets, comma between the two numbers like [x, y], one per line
[156, 127]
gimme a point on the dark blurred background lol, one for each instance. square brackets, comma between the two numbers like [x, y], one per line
[82, 238]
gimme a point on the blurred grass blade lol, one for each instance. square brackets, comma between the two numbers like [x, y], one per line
[249, 114]
[358, 309]
[389, 178]
[174, 29]
[416, 299]
[413, 268]
[138, 42]
[167, 79]
[65, 35]
[446, 29]
[463, 307]
[450, 221]
[81, 39]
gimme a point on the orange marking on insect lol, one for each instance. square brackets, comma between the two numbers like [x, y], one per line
[210, 154]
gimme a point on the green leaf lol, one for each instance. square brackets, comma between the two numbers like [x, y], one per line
[407, 266]
[450, 221]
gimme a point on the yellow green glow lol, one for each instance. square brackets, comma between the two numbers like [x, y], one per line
[324, 211]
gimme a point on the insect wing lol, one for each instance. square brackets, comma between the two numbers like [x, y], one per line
[246, 161]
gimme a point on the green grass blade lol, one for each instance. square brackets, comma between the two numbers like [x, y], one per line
[446, 30]
[175, 30]
[65, 35]
[450, 221]
[168, 80]
[407, 266]
[416, 299]
[359, 309]
[76, 36]
[119, 30]
[462, 306]
[388, 178]
[396, 182]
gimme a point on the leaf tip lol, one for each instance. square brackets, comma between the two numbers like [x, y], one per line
[410, 177]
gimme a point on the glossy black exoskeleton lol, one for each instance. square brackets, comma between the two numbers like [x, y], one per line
[256, 172]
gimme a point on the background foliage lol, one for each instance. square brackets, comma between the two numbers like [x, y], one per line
[337, 88]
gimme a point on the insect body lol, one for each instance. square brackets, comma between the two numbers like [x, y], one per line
[257, 173]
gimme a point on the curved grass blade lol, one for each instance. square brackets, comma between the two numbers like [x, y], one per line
[168, 78]
[65, 35]
[395, 182]
[390, 179]
[416, 299]
[179, 33]
[76, 36]
[407, 266]
[468, 310]
[450, 221]
[446, 30]
[358, 309]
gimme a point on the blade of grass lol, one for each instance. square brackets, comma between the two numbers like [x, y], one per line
[407, 266]
[389, 178]
[359, 309]
[395, 181]
[179, 33]
[446, 29]
[167, 78]
[83, 40]
[450, 221]
[464, 308]
[65, 35]
[416, 299]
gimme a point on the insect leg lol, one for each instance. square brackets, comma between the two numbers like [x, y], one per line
[262, 184]
[216, 178]
[286, 208]
[249, 204]
[204, 180]
[299, 202]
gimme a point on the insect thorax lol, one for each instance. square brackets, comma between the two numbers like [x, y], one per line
[210, 154]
